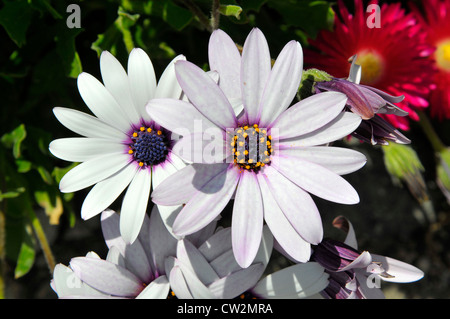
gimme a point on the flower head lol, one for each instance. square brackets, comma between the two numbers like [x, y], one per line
[121, 145]
[267, 157]
[355, 274]
[392, 57]
[434, 20]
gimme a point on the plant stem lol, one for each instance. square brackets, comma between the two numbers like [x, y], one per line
[429, 131]
[42, 240]
[198, 13]
[215, 15]
[2, 254]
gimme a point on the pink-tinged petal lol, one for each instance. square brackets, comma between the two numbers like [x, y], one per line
[189, 255]
[296, 204]
[337, 159]
[255, 70]
[168, 86]
[104, 193]
[396, 270]
[224, 57]
[142, 79]
[205, 94]
[181, 186]
[110, 230]
[158, 289]
[310, 114]
[87, 125]
[216, 245]
[283, 83]
[106, 277]
[134, 205]
[297, 281]
[344, 224]
[116, 82]
[93, 171]
[343, 125]
[317, 180]
[80, 149]
[101, 102]
[236, 283]
[247, 220]
[66, 284]
[362, 261]
[207, 203]
[283, 231]
[178, 116]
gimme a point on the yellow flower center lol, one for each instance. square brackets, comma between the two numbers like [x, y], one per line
[251, 147]
[442, 55]
[372, 66]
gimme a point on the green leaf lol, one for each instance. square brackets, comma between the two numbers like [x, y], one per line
[309, 78]
[230, 10]
[15, 17]
[52, 205]
[12, 194]
[14, 139]
[27, 254]
[177, 17]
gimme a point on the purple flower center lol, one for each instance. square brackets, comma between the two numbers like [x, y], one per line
[148, 146]
[251, 147]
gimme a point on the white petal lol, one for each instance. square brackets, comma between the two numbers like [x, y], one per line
[93, 171]
[255, 70]
[400, 271]
[134, 205]
[338, 160]
[317, 180]
[247, 220]
[87, 125]
[297, 281]
[102, 103]
[80, 149]
[168, 86]
[116, 82]
[105, 192]
[141, 76]
[310, 114]
[283, 83]
[343, 125]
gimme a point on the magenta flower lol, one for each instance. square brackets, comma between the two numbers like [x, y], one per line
[269, 157]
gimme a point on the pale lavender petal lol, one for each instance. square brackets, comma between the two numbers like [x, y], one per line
[110, 230]
[65, 283]
[247, 220]
[207, 203]
[310, 114]
[158, 289]
[116, 82]
[343, 125]
[337, 159]
[317, 180]
[283, 83]
[105, 192]
[397, 270]
[296, 204]
[93, 171]
[87, 125]
[205, 94]
[237, 283]
[106, 277]
[344, 224]
[283, 231]
[297, 281]
[217, 244]
[142, 79]
[137, 262]
[80, 149]
[206, 147]
[178, 116]
[225, 58]
[255, 71]
[181, 186]
[134, 205]
[101, 102]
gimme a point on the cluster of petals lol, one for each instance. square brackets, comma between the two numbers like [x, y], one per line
[300, 164]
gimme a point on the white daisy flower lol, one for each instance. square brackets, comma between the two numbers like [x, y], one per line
[121, 145]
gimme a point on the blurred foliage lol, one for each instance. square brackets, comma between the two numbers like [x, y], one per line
[45, 44]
